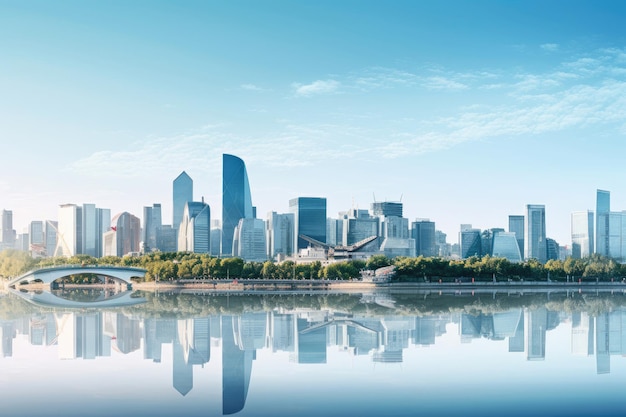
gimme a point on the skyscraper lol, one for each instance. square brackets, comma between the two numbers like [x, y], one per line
[423, 232]
[280, 234]
[309, 220]
[250, 240]
[95, 222]
[516, 226]
[582, 234]
[603, 209]
[151, 227]
[194, 234]
[182, 192]
[69, 230]
[7, 234]
[535, 233]
[124, 236]
[236, 199]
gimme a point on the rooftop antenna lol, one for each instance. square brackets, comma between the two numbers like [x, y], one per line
[401, 197]
[374, 195]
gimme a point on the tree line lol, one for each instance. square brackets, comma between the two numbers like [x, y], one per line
[173, 266]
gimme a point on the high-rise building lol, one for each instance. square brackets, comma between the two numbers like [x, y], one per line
[357, 225]
[69, 231]
[582, 234]
[603, 209]
[168, 239]
[309, 220]
[236, 199]
[516, 225]
[470, 243]
[51, 236]
[535, 233]
[505, 246]
[36, 237]
[423, 232]
[151, 227]
[386, 208]
[552, 249]
[182, 192]
[7, 234]
[280, 234]
[250, 240]
[95, 222]
[216, 237]
[194, 234]
[124, 237]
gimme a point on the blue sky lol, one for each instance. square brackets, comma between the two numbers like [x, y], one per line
[467, 111]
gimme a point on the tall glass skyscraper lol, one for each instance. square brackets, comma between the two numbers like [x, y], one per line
[182, 192]
[195, 228]
[603, 209]
[151, 227]
[535, 233]
[309, 220]
[236, 199]
[516, 225]
[582, 234]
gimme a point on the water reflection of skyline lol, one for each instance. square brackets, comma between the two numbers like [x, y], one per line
[305, 335]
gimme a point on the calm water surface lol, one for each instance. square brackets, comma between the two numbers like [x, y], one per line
[330, 354]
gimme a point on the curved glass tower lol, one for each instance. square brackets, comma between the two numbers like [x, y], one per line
[236, 199]
[195, 228]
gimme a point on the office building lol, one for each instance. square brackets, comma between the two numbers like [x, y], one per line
[505, 246]
[51, 227]
[151, 227]
[470, 243]
[167, 238]
[423, 232]
[216, 237]
[357, 226]
[36, 239]
[582, 234]
[535, 233]
[250, 240]
[124, 237]
[516, 225]
[603, 209]
[182, 192]
[95, 222]
[386, 208]
[309, 220]
[7, 234]
[236, 199]
[280, 238]
[69, 231]
[194, 233]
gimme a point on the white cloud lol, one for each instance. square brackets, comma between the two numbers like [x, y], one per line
[316, 87]
[251, 87]
[550, 47]
[443, 83]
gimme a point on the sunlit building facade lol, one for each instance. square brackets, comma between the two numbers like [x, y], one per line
[582, 234]
[309, 220]
[124, 237]
[250, 240]
[505, 246]
[423, 232]
[535, 233]
[182, 192]
[236, 199]
[194, 234]
[151, 227]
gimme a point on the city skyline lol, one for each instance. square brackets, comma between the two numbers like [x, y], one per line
[465, 112]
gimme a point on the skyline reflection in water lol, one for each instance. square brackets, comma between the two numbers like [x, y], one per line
[327, 354]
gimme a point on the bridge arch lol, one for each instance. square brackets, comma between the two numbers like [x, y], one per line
[50, 274]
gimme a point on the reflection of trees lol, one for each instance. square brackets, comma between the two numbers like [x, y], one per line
[201, 304]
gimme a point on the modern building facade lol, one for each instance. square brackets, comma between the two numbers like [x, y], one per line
[7, 234]
[505, 246]
[516, 225]
[250, 240]
[357, 226]
[152, 223]
[182, 192]
[386, 208]
[124, 237]
[535, 233]
[95, 222]
[582, 234]
[70, 230]
[194, 233]
[280, 240]
[236, 199]
[470, 243]
[309, 220]
[423, 232]
[216, 237]
[603, 230]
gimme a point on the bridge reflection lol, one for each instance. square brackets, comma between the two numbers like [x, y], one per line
[104, 299]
